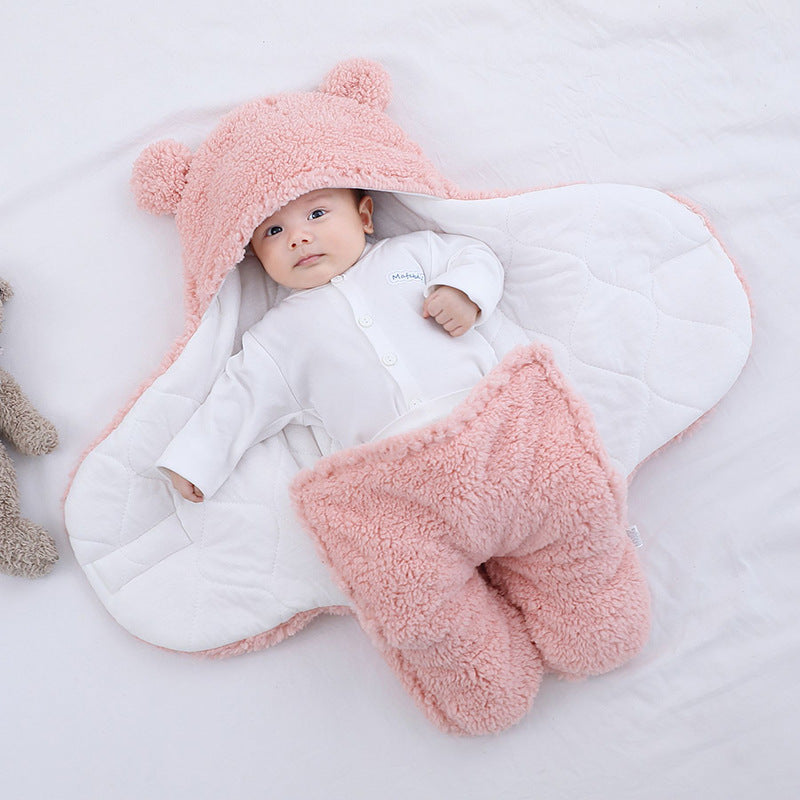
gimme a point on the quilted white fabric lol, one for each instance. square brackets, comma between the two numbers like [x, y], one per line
[644, 312]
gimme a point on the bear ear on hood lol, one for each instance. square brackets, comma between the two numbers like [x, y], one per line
[362, 80]
[159, 176]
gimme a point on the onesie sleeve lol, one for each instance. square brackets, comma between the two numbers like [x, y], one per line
[466, 264]
[249, 401]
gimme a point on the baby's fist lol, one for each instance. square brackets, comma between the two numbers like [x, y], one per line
[186, 489]
[452, 309]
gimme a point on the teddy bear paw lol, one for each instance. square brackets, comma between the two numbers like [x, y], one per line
[44, 439]
[26, 549]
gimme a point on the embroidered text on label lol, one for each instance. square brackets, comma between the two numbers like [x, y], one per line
[401, 276]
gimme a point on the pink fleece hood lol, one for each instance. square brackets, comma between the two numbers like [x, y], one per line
[270, 151]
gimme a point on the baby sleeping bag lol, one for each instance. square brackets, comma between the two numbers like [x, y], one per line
[621, 314]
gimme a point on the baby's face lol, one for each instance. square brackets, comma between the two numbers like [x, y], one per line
[313, 238]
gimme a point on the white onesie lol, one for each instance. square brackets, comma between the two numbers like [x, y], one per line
[352, 355]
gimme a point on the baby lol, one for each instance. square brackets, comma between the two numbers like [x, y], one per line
[370, 333]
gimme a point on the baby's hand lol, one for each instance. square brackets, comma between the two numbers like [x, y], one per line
[185, 489]
[452, 309]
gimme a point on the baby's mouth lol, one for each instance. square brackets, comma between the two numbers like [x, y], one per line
[308, 260]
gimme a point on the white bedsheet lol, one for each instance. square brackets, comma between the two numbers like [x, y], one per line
[694, 99]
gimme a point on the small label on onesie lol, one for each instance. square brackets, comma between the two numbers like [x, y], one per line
[404, 276]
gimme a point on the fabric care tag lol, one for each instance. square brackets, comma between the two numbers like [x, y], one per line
[635, 536]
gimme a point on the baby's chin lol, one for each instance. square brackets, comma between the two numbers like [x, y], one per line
[315, 275]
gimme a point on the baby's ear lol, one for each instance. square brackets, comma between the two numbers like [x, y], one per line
[159, 176]
[362, 80]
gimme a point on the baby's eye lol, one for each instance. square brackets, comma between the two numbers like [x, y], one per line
[272, 231]
[317, 213]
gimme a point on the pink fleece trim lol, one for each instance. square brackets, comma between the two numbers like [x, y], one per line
[273, 636]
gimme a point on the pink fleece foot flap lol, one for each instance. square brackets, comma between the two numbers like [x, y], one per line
[516, 479]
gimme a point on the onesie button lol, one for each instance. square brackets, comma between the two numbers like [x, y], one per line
[337, 278]
[390, 359]
[365, 321]
[415, 403]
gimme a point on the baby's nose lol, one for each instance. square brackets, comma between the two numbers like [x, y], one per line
[299, 237]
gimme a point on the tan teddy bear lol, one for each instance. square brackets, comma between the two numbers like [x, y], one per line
[25, 548]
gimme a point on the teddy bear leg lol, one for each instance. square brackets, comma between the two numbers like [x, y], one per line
[21, 423]
[26, 549]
